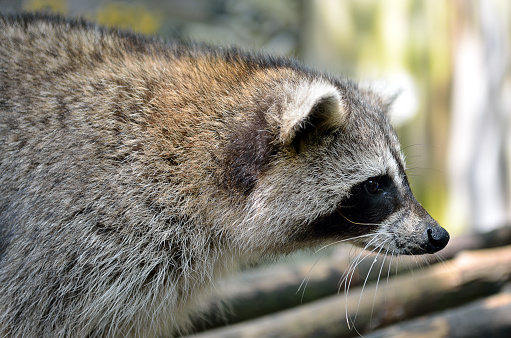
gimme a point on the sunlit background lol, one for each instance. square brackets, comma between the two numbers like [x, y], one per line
[449, 61]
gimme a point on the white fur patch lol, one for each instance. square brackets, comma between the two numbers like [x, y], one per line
[300, 102]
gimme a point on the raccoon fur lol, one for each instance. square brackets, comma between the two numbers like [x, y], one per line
[134, 172]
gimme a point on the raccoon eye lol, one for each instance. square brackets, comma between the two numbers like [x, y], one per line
[373, 187]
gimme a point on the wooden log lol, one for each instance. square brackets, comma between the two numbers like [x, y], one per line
[490, 317]
[275, 288]
[492, 239]
[471, 274]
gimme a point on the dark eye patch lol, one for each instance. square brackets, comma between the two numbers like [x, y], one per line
[371, 201]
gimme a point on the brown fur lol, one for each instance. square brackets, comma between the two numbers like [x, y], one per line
[134, 172]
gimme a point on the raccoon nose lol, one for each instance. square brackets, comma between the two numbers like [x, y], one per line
[437, 238]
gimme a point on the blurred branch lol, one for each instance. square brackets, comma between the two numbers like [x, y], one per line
[260, 292]
[469, 275]
[484, 318]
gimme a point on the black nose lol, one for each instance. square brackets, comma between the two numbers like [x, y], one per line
[437, 239]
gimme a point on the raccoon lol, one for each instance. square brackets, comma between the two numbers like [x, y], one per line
[135, 172]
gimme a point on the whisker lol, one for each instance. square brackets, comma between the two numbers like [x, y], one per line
[367, 278]
[350, 272]
[341, 241]
[444, 261]
[307, 277]
[388, 278]
[390, 265]
[355, 262]
[356, 223]
[358, 260]
[377, 283]
[425, 262]
[348, 277]
[419, 145]
[397, 269]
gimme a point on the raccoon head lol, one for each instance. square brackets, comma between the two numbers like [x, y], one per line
[335, 172]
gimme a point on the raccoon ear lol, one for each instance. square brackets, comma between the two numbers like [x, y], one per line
[380, 93]
[309, 108]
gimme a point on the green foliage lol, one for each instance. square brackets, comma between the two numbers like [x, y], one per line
[135, 17]
[57, 6]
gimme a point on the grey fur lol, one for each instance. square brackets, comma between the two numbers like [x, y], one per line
[135, 172]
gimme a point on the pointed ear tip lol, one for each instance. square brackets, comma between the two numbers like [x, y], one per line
[309, 106]
[386, 92]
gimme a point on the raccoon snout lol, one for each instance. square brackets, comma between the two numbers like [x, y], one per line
[435, 239]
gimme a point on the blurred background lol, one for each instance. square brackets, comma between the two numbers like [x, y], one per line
[448, 60]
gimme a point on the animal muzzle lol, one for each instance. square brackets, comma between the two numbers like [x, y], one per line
[429, 236]
[431, 239]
